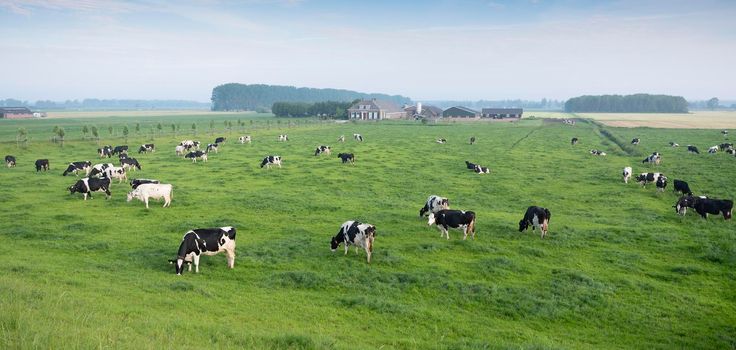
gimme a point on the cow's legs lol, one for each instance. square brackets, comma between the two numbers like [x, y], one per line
[85, 196]
[230, 258]
[347, 248]
[196, 263]
[145, 200]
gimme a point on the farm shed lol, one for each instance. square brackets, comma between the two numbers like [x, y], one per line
[499, 113]
[460, 112]
[375, 110]
[15, 113]
[423, 111]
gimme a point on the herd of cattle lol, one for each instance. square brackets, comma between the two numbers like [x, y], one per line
[210, 241]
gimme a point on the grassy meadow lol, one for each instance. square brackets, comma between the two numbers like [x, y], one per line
[619, 269]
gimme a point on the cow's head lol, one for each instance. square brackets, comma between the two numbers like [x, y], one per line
[683, 203]
[431, 219]
[523, 225]
[334, 243]
[72, 188]
[445, 203]
[130, 196]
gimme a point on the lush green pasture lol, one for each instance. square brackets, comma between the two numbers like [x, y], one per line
[619, 269]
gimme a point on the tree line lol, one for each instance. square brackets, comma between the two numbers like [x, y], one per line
[637, 103]
[324, 110]
[232, 97]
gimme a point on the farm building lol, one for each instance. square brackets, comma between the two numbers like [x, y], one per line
[499, 113]
[375, 110]
[15, 113]
[460, 112]
[419, 111]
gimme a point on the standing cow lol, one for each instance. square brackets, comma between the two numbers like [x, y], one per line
[536, 217]
[627, 174]
[347, 158]
[271, 160]
[105, 151]
[457, 219]
[10, 161]
[357, 234]
[322, 149]
[244, 139]
[146, 191]
[434, 204]
[145, 148]
[358, 137]
[42, 164]
[207, 241]
[88, 185]
[75, 167]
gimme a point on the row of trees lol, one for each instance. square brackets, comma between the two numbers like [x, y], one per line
[324, 110]
[229, 97]
[638, 103]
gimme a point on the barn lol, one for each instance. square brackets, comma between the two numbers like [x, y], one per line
[15, 113]
[500, 113]
[460, 112]
[423, 112]
[375, 110]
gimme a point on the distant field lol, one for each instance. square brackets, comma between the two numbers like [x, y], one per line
[694, 120]
[139, 114]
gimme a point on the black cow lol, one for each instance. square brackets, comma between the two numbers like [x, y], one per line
[574, 141]
[470, 165]
[692, 149]
[88, 185]
[75, 167]
[434, 204]
[149, 147]
[472, 140]
[220, 140]
[536, 217]
[661, 183]
[10, 161]
[42, 164]
[347, 157]
[105, 151]
[271, 160]
[130, 163]
[635, 141]
[197, 154]
[355, 233]
[457, 219]
[137, 182]
[207, 241]
[705, 206]
[682, 186]
[119, 149]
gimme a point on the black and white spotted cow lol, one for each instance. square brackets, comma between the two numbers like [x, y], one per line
[212, 147]
[358, 137]
[75, 167]
[627, 174]
[244, 139]
[220, 140]
[470, 165]
[731, 151]
[322, 149]
[536, 217]
[145, 148]
[341, 138]
[481, 170]
[574, 141]
[661, 183]
[10, 161]
[284, 137]
[441, 140]
[123, 155]
[713, 150]
[357, 234]
[130, 163]
[189, 144]
[197, 154]
[705, 206]
[42, 164]
[673, 144]
[635, 141]
[119, 149]
[105, 151]
[137, 182]
[101, 170]
[725, 146]
[457, 219]
[692, 149]
[271, 160]
[205, 241]
[434, 204]
[88, 185]
[645, 178]
[118, 173]
[724, 132]
[472, 140]
[347, 158]
[654, 158]
[596, 152]
[144, 192]
[682, 186]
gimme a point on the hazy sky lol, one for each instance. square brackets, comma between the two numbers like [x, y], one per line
[463, 50]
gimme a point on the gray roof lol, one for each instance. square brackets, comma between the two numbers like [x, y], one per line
[15, 110]
[465, 109]
[375, 105]
[503, 110]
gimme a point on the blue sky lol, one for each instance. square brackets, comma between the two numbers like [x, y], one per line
[463, 50]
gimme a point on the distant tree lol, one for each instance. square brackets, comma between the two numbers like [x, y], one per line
[21, 138]
[713, 103]
[56, 133]
[159, 127]
[173, 129]
[61, 134]
[96, 134]
[137, 128]
[109, 129]
[212, 126]
[85, 131]
[126, 131]
[194, 129]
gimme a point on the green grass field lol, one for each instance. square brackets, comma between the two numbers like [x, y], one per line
[619, 269]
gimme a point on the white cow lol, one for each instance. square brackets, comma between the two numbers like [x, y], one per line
[627, 174]
[244, 139]
[156, 191]
[284, 137]
[180, 150]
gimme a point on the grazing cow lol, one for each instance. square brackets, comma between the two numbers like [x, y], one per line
[441, 141]
[75, 167]
[705, 206]
[574, 141]
[118, 173]
[469, 165]
[635, 141]
[212, 147]
[596, 152]
[42, 164]
[645, 178]
[672, 144]
[122, 155]
[731, 151]
[271, 160]
[322, 149]
[119, 149]
[189, 144]
[692, 149]
[105, 151]
[713, 149]
[180, 150]
[130, 163]
[10, 161]
[661, 183]
[88, 185]
[347, 158]
[627, 174]
[536, 217]
[156, 191]
[357, 234]
[472, 140]
[358, 137]
[655, 158]
[434, 204]
[244, 139]
[341, 138]
[457, 219]
[101, 170]
[284, 137]
[207, 241]
[137, 182]
[197, 154]
[725, 146]
[220, 140]
[149, 147]
[683, 187]
[481, 169]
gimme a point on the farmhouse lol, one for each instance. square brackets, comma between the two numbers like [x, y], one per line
[375, 110]
[460, 112]
[423, 112]
[500, 113]
[15, 113]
